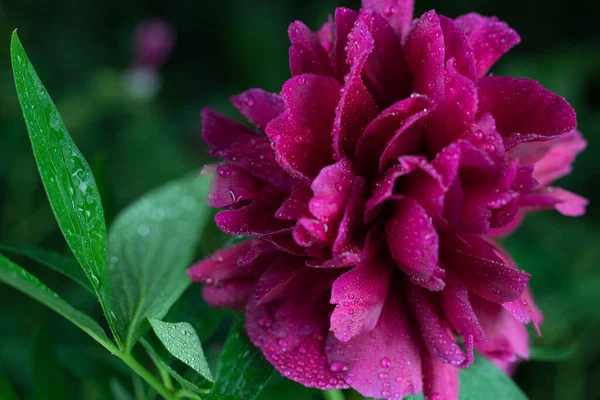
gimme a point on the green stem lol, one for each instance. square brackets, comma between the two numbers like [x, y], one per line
[335, 394]
[147, 376]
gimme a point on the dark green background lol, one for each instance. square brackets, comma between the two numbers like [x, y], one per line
[81, 50]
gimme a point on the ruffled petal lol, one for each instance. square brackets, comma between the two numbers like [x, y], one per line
[435, 330]
[384, 363]
[232, 185]
[295, 206]
[331, 189]
[351, 231]
[258, 106]
[307, 55]
[440, 381]
[359, 294]
[392, 125]
[481, 270]
[256, 218]
[291, 332]
[413, 243]
[524, 111]
[399, 13]
[302, 134]
[565, 202]
[344, 22]
[490, 39]
[231, 294]
[356, 107]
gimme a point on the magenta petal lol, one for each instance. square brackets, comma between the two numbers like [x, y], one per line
[413, 243]
[458, 311]
[302, 134]
[307, 55]
[386, 70]
[399, 13]
[440, 381]
[489, 38]
[331, 189]
[258, 106]
[384, 363]
[389, 126]
[231, 294]
[232, 185]
[552, 159]
[256, 218]
[356, 107]
[461, 102]
[507, 337]
[309, 232]
[481, 270]
[524, 110]
[485, 136]
[525, 311]
[360, 293]
[291, 332]
[274, 282]
[351, 231]
[435, 330]
[457, 47]
[565, 202]
[344, 22]
[426, 59]
[295, 206]
[224, 265]
[243, 148]
[326, 35]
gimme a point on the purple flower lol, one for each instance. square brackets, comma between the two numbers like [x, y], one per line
[373, 189]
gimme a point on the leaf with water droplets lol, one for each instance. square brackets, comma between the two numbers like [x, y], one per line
[150, 245]
[181, 340]
[484, 377]
[242, 371]
[65, 173]
[60, 263]
[20, 279]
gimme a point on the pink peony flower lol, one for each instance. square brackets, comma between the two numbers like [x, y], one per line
[372, 191]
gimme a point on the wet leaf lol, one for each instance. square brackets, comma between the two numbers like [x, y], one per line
[484, 377]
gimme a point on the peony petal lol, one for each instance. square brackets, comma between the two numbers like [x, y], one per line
[563, 201]
[524, 110]
[331, 189]
[399, 13]
[302, 134]
[309, 232]
[507, 337]
[413, 243]
[434, 328]
[490, 39]
[344, 22]
[307, 55]
[481, 270]
[291, 332]
[457, 47]
[295, 206]
[256, 218]
[384, 363]
[224, 265]
[552, 159]
[440, 381]
[461, 102]
[274, 282]
[386, 70]
[485, 136]
[242, 148]
[258, 106]
[359, 294]
[351, 231]
[425, 52]
[388, 126]
[458, 311]
[231, 294]
[326, 35]
[356, 107]
[232, 185]
[284, 241]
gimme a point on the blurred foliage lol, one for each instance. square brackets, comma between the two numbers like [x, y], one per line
[82, 51]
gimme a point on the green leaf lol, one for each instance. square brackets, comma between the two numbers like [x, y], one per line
[62, 264]
[162, 364]
[552, 354]
[20, 279]
[65, 173]
[150, 246]
[242, 371]
[182, 342]
[48, 378]
[6, 390]
[484, 377]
